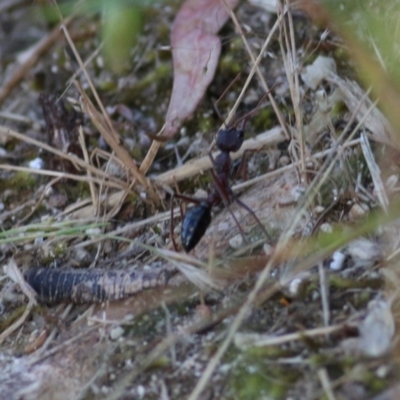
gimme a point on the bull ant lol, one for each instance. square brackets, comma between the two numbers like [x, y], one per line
[198, 218]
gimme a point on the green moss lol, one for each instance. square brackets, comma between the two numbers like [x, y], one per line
[23, 181]
[229, 64]
[78, 190]
[60, 249]
[156, 75]
[374, 383]
[106, 85]
[253, 379]
[161, 362]
[206, 124]
[268, 352]
[264, 119]
[338, 282]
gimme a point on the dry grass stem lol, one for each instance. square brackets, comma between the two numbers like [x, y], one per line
[89, 175]
[326, 384]
[69, 157]
[103, 123]
[324, 290]
[379, 187]
[259, 73]
[290, 62]
[244, 340]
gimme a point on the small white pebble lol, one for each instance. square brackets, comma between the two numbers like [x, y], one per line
[93, 231]
[337, 261]
[128, 363]
[319, 209]
[325, 227]
[116, 333]
[141, 391]
[201, 193]
[382, 371]
[297, 191]
[356, 212]
[268, 249]
[314, 73]
[39, 240]
[236, 242]
[36, 163]
[294, 285]
[48, 191]
[100, 62]
[104, 389]
[364, 252]
[378, 329]
[391, 182]
[284, 160]
[315, 295]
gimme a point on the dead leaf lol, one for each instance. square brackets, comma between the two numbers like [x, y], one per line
[195, 50]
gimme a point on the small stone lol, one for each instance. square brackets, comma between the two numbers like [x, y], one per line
[337, 261]
[93, 232]
[236, 242]
[116, 333]
[58, 201]
[297, 282]
[319, 209]
[391, 182]
[356, 212]
[364, 252]
[268, 249]
[320, 69]
[141, 391]
[283, 161]
[294, 285]
[325, 227]
[36, 163]
[382, 371]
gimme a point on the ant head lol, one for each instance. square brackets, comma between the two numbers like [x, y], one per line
[230, 139]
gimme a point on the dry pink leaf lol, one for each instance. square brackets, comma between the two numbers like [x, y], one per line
[195, 49]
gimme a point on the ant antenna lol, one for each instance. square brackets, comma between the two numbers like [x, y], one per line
[215, 103]
[246, 116]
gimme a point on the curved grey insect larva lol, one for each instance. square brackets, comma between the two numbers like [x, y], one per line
[92, 285]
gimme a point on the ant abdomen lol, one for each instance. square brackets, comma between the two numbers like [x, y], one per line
[194, 225]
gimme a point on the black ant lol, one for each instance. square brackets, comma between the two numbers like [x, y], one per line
[198, 218]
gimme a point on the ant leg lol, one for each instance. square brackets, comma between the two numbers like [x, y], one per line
[242, 234]
[253, 214]
[212, 159]
[171, 224]
[226, 197]
[246, 116]
[242, 168]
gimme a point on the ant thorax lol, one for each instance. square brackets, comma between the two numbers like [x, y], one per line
[223, 164]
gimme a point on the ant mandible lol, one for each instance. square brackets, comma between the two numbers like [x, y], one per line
[198, 218]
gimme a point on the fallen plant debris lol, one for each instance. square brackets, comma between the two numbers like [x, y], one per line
[94, 301]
